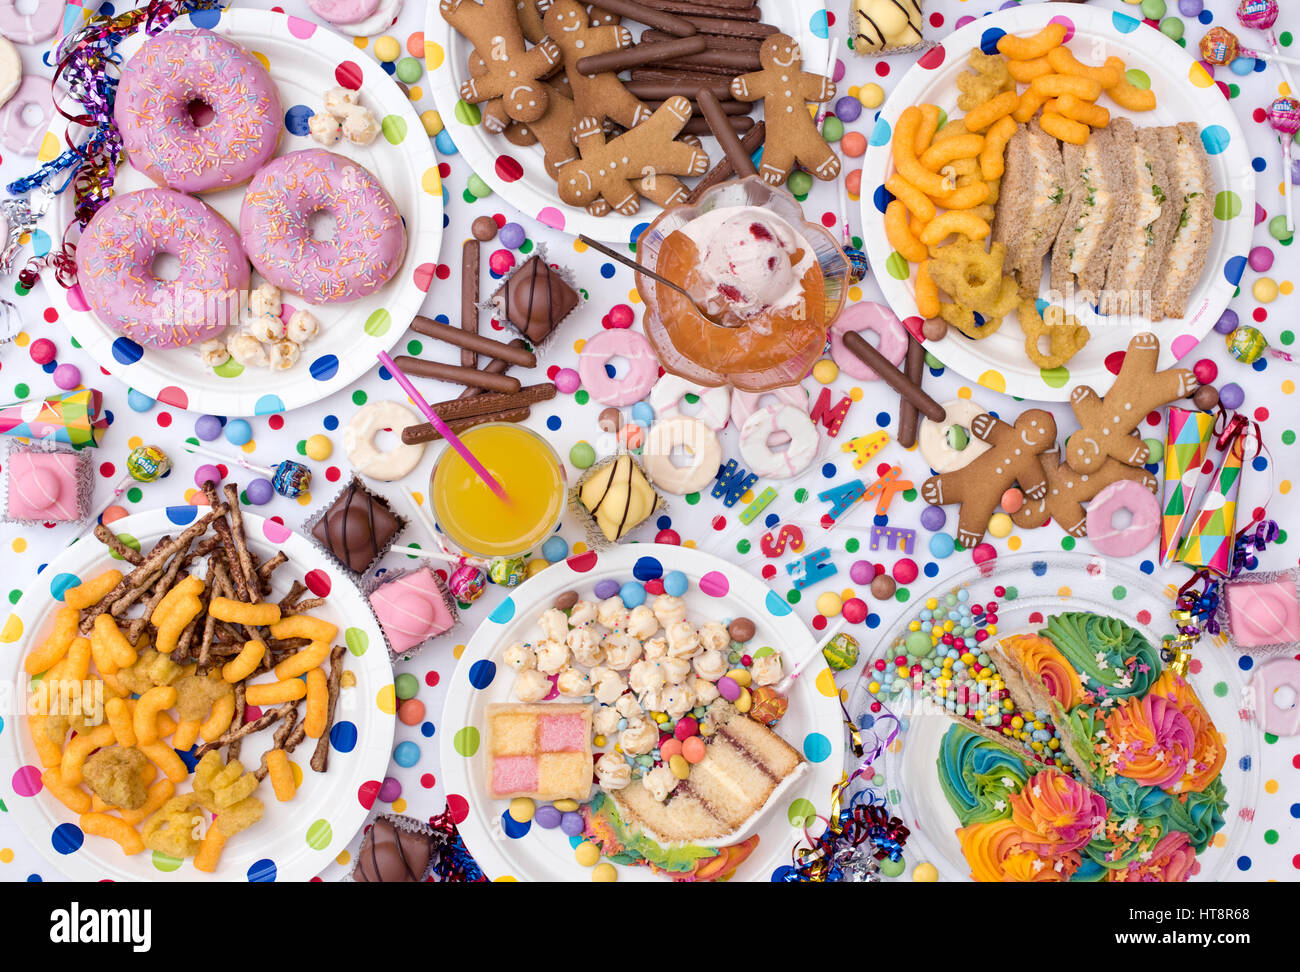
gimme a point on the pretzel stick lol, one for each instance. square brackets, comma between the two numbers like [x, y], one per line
[311, 604]
[234, 735]
[277, 741]
[107, 537]
[182, 650]
[237, 721]
[265, 571]
[159, 592]
[321, 757]
[288, 600]
[209, 623]
[241, 545]
[122, 603]
[222, 529]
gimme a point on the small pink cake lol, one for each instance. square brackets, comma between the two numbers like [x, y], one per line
[412, 608]
[1264, 613]
[542, 751]
[46, 486]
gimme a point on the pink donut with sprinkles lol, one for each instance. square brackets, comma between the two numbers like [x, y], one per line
[369, 238]
[115, 268]
[172, 75]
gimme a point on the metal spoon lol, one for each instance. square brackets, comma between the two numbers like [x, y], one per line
[639, 268]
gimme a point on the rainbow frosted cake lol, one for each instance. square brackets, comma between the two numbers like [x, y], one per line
[540, 751]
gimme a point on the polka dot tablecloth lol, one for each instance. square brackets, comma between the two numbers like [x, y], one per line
[413, 781]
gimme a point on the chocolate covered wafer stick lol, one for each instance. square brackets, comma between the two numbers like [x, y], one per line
[425, 432]
[723, 171]
[739, 124]
[914, 369]
[462, 376]
[857, 346]
[649, 16]
[657, 92]
[109, 539]
[641, 54]
[729, 27]
[723, 42]
[729, 9]
[469, 300]
[320, 758]
[741, 163]
[480, 345]
[715, 60]
[667, 75]
[487, 404]
[494, 367]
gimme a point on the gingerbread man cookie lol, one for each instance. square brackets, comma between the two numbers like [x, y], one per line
[1108, 425]
[1012, 458]
[611, 173]
[1068, 491]
[554, 130]
[785, 91]
[512, 69]
[599, 96]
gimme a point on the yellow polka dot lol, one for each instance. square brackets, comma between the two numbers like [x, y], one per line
[1288, 387]
[1270, 786]
[1220, 839]
[579, 345]
[433, 55]
[23, 339]
[361, 42]
[856, 393]
[689, 543]
[12, 631]
[579, 246]
[249, 447]
[847, 593]
[399, 805]
[19, 544]
[964, 392]
[304, 499]
[415, 93]
[387, 699]
[855, 294]
[134, 442]
[49, 148]
[633, 297]
[1284, 487]
[262, 57]
[993, 379]
[296, 771]
[1013, 543]
[1064, 592]
[826, 683]
[6, 855]
[844, 696]
[579, 547]
[1199, 77]
[458, 651]
[1286, 286]
[344, 858]
[349, 679]
[431, 182]
[506, 879]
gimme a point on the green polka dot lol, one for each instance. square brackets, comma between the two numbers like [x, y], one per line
[358, 397]
[15, 595]
[943, 119]
[763, 652]
[794, 597]
[302, 447]
[394, 129]
[165, 862]
[1139, 79]
[1054, 377]
[127, 541]
[467, 114]
[526, 246]
[932, 362]
[319, 835]
[1227, 205]
[1288, 437]
[1120, 592]
[692, 498]
[20, 290]
[1284, 38]
[1067, 543]
[135, 494]
[414, 347]
[75, 343]
[801, 495]
[1012, 593]
[1270, 837]
[466, 741]
[691, 398]
[1221, 689]
[378, 323]
[909, 495]
[897, 266]
[581, 396]
[358, 641]
[802, 813]
[742, 547]
[1287, 337]
[21, 390]
[902, 595]
[1281, 536]
[852, 545]
[1270, 738]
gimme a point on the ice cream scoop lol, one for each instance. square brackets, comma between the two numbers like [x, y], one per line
[750, 261]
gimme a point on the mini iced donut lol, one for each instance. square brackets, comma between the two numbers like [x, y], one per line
[744, 404]
[30, 28]
[381, 19]
[642, 372]
[16, 133]
[359, 441]
[339, 12]
[939, 443]
[11, 71]
[700, 441]
[1142, 505]
[756, 437]
[115, 268]
[666, 400]
[868, 316]
[160, 86]
[369, 239]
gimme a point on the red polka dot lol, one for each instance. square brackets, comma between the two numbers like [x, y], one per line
[882, 69]
[932, 58]
[427, 781]
[51, 315]
[318, 582]
[719, 522]
[1153, 418]
[1258, 114]
[444, 169]
[252, 713]
[1144, 616]
[508, 169]
[276, 422]
[582, 562]
[332, 474]
[882, 468]
[1261, 414]
[423, 276]
[819, 622]
[551, 372]
[1260, 315]
[936, 20]
[164, 419]
[830, 19]
[768, 572]
[443, 271]
[829, 220]
[1114, 361]
[458, 806]
[1295, 861]
[669, 536]
[431, 679]
[107, 469]
[1295, 760]
[348, 74]
[367, 792]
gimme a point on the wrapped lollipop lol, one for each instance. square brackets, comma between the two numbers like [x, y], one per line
[144, 464]
[1284, 116]
[1221, 46]
[1247, 345]
[1260, 15]
[289, 478]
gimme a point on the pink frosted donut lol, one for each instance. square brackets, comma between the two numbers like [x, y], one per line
[643, 367]
[115, 268]
[343, 11]
[163, 81]
[744, 404]
[30, 28]
[868, 316]
[369, 239]
[18, 135]
[1123, 494]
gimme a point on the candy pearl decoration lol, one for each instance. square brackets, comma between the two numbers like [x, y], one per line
[555, 549]
[1227, 322]
[1260, 259]
[139, 401]
[512, 236]
[925, 873]
[1205, 371]
[1191, 8]
[567, 381]
[933, 518]
[582, 455]
[207, 427]
[1231, 396]
[862, 572]
[206, 473]
[319, 448]
[728, 688]
[42, 351]
[829, 604]
[67, 376]
[238, 432]
[855, 610]
[259, 491]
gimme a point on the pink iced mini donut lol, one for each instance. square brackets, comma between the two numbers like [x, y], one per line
[1124, 494]
[343, 11]
[18, 135]
[757, 437]
[30, 28]
[115, 268]
[868, 316]
[643, 367]
[744, 404]
[362, 254]
[173, 74]
[669, 391]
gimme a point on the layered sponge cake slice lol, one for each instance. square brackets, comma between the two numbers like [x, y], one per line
[744, 763]
[540, 751]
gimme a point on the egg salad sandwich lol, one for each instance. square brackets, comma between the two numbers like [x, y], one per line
[1096, 191]
[1191, 193]
[1031, 204]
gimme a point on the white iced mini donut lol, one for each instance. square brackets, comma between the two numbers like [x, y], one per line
[666, 399]
[11, 70]
[30, 28]
[381, 19]
[359, 441]
[933, 437]
[756, 441]
[700, 441]
[744, 404]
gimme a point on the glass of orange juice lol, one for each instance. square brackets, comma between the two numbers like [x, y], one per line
[473, 517]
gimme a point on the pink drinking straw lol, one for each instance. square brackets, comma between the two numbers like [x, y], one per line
[400, 377]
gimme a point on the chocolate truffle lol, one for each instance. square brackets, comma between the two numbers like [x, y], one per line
[357, 527]
[535, 299]
[394, 854]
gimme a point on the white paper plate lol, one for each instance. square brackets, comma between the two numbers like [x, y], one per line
[1184, 92]
[293, 841]
[718, 591]
[498, 163]
[305, 60]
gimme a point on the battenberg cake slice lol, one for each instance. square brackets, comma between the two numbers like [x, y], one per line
[541, 751]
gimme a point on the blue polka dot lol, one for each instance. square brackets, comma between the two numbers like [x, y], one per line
[36, 878]
[1233, 269]
[188, 758]
[1215, 138]
[1147, 567]
[503, 612]
[268, 405]
[296, 120]
[262, 872]
[771, 520]
[445, 145]
[1243, 863]
[1295, 810]
[40, 243]
[828, 470]
[930, 569]
[647, 568]
[61, 583]
[390, 67]
[1258, 164]
[325, 367]
[675, 583]
[881, 198]
[2, 725]
[637, 230]
[343, 737]
[820, 24]
[182, 515]
[1259, 464]
[427, 729]
[607, 270]
[126, 351]
[1244, 764]
[1259, 365]
[609, 370]
[880, 135]
[331, 422]
[1039, 567]
[207, 19]
[1205, 16]
[664, 522]
[139, 401]
[776, 605]
[1124, 23]
[553, 423]
[512, 827]
[989, 39]
[67, 838]
[406, 754]
[866, 720]
[481, 673]
[873, 620]
[1245, 663]
[816, 747]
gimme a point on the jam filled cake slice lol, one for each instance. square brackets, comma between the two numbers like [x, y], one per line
[744, 763]
[540, 751]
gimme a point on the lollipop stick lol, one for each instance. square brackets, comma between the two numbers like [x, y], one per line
[118, 489]
[1288, 190]
[420, 512]
[470, 460]
[250, 466]
[422, 552]
[784, 685]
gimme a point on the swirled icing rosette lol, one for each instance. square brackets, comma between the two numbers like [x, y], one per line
[1208, 753]
[1057, 813]
[1172, 859]
[978, 777]
[1112, 660]
[997, 851]
[1038, 657]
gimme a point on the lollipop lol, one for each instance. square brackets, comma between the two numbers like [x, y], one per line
[1221, 46]
[288, 479]
[1284, 116]
[144, 464]
[1260, 15]
[1247, 345]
